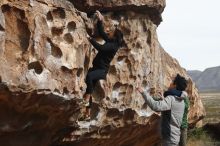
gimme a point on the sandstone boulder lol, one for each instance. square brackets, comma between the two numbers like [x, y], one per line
[45, 56]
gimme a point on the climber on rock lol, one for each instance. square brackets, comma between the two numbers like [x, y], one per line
[172, 108]
[106, 52]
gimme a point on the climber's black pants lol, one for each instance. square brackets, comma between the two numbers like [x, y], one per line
[94, 75]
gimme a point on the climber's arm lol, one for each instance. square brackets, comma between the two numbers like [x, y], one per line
[96, 45]
[107, 47]
[102, 32]
[161, 105]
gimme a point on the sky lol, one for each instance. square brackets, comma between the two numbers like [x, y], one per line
[190, 32]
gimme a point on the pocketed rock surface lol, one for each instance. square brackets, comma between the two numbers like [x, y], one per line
[45, 56]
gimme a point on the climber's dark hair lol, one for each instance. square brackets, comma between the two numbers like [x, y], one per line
[118, 36]
[180, 82]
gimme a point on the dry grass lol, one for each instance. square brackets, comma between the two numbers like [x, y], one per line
[199, 137]
[211, 102]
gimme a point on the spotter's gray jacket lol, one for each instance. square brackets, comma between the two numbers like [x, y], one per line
[172, 109]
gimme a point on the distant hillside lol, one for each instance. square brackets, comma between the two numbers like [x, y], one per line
[195, 74]
[208, 80]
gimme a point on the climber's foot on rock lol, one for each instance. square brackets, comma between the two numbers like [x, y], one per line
[84, 117]
[84, 102]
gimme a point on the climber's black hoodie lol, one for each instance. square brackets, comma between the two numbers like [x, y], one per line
[106, 52]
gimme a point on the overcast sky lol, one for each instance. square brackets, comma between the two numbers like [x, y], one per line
[190, 32]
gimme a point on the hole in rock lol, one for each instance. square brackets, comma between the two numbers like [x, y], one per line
[56, 90]
[56, 31]
[129, 114]
[5, 8]
[71, 26]
[20, 14]
[1, 28]
[79, 72]
[117, 85]
[112, 70]
[16, 27]
[65, 69]
[149, 37]
[144, 26]
[138, 45]
[36, 66]
[55, 51]
[108, 98]
[113, 112]
[59, 13]
[24, 34]
[68, 38]
[120, 58]
[132, 76]
[65, 90]
[49, 16]
[144, 83]
[133, 45]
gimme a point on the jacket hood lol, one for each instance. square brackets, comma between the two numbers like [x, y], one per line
[183, 95]
[173, 92]
[176, 93]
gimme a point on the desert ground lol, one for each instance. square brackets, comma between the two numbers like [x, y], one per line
[201, 137]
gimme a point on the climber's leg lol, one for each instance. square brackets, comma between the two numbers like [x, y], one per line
[90, 85]
[88, 109]
[85, 115]
[92, 77]
[86, 98]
